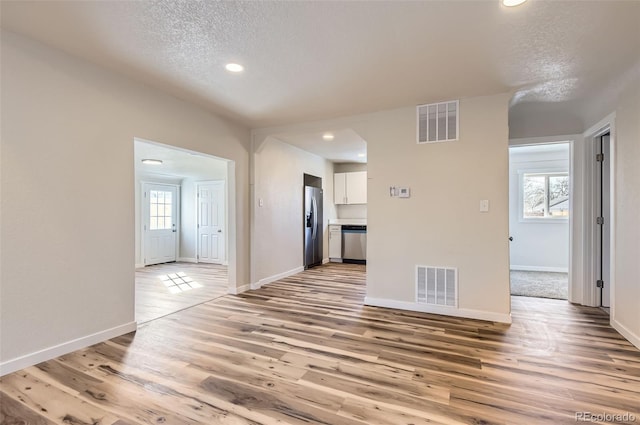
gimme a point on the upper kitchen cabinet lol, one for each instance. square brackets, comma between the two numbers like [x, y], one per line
[350, 188]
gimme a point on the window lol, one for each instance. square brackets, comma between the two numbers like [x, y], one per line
[545, 195]
[160, 210]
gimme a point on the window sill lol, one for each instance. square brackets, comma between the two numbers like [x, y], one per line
[549, 220]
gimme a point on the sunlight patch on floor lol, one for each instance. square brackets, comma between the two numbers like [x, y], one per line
[178, 282]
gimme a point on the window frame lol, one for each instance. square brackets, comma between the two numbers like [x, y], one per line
[547, 173]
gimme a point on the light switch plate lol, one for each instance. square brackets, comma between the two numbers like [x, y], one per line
[484, 205]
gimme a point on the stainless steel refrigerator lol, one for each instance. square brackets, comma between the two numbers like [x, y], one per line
[312, 226]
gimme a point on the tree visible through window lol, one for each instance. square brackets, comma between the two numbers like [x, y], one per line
[545, 195]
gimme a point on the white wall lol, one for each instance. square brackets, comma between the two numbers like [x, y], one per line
[278, 230]
[626, 298]
[348, 167]
[440, 225]
[351, 211]
[67, 183]
[537, 245]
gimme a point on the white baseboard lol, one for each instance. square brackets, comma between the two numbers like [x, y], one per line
[325, 260]
[445, 311]
[139, 265]
[64, 348]
[540, 269]
[188, 260]
[626, 332]
[239, 289]
[275, 277]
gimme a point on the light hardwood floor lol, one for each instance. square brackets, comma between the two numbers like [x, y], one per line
[304, 350]
[153, 298]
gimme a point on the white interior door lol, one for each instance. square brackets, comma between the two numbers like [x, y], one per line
[160, 223]
[211, 222]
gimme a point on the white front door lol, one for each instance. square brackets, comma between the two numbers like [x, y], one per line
[160, 223]
[211, 220]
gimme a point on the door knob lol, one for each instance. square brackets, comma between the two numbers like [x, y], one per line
[219, 231]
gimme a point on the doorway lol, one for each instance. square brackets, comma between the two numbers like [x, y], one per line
[539, 219]
[182, 229]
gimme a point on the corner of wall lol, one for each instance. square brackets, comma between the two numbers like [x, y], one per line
[626, 332]
[49, 353]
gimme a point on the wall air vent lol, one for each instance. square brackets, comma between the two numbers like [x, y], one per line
[437, 286]
[438, 122]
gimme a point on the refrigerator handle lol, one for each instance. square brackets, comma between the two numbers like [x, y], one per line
[314, 208]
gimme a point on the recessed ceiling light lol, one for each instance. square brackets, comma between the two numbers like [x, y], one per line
[328, 136]
[511, 3]
[234, 67]
[152, 161]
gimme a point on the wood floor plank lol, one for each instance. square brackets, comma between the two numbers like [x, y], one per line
[17, 412]
[154, 300]
[52, 403]
[305, 350]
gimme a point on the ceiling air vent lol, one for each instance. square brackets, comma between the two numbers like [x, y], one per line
[438, 122]
[437, 286]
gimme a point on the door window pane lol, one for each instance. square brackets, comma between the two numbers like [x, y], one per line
[160, 217]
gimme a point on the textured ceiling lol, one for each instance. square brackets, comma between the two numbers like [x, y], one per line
[346, 145]
[318, 60]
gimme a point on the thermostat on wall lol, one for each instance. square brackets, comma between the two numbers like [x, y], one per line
[404, 192]
[399, 192]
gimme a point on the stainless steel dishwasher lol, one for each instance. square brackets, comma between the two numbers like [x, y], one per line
[354, 244]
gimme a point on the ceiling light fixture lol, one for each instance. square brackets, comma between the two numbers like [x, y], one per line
[234, 67]
[152, 161]
[361, 155]
[328, 137]
[512, 3]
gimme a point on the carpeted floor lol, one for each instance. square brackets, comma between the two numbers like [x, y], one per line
[540, 284]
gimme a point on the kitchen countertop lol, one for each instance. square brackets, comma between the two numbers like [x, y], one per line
[348, 221]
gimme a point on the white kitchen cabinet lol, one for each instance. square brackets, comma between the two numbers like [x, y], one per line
[350, 188]
[340, 188]
[335, 242]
